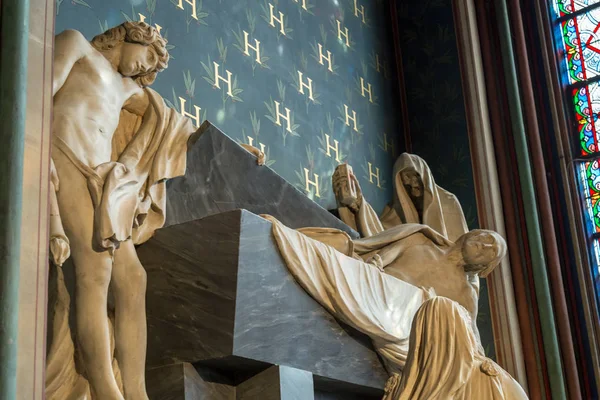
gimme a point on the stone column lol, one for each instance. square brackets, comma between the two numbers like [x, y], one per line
[26, 101]
[13, 78]
[504, 317]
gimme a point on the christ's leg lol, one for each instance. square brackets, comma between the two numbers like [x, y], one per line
[129, 286]
[92, 278]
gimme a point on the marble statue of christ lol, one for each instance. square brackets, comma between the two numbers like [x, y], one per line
[114, 144]
[378, 283]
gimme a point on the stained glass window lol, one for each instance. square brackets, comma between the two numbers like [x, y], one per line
[566, 7]
[578, 26]
[581, 38]
[590, 178]
[586, 103]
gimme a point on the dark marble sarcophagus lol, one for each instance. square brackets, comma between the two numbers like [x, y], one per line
[220, 297]
[226, 321]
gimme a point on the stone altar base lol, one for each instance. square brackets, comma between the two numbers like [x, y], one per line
[183, 381]
[220, 297]
[222, 176]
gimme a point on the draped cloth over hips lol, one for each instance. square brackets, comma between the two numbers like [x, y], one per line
[128, 193]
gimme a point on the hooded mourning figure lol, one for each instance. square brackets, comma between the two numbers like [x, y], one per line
[417, 199]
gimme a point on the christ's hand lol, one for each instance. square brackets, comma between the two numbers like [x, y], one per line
[59, 250]
[260, 155]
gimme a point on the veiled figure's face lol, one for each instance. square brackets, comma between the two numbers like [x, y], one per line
[412, 183]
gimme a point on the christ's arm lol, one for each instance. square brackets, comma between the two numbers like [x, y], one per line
[138, 103]
[69, 47]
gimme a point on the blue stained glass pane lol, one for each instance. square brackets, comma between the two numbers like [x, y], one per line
[596, 267]
[589, 179]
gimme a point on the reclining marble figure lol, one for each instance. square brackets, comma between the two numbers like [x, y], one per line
[114, 144]
[377, 285]
[404, 264]
[417, 199]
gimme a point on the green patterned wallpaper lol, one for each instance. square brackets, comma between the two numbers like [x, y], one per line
[309, 81]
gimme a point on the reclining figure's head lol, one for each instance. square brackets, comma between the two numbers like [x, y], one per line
[482, 250]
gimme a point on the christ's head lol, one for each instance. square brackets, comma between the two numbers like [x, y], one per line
[482, 250]
[142, 52]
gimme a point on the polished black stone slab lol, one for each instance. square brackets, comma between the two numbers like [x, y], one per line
[330, 389]
[182, 382]
[220, 294]
[277, 383]
[222, 176]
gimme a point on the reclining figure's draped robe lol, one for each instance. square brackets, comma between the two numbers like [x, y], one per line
[445, 360]
[327, 264]
[129, 198]
[441, 209]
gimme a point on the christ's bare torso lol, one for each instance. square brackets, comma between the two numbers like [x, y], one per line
[423, 263]
[87, 107]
